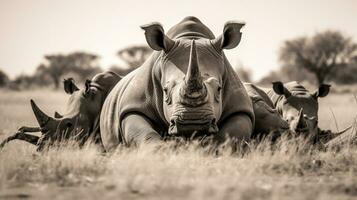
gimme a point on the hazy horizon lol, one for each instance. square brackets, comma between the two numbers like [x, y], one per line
[31, 29]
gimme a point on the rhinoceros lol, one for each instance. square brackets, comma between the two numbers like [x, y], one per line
[186, 87]
[298, 106]
[81, 119]
[267, 118]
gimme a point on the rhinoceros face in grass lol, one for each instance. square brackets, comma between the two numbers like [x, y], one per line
[192, 100]
[300, 107]
[192, 73]
[81, 118]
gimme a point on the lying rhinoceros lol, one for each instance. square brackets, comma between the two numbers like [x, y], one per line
[186, 87]
[267, 118]
[298, 106]
[81, 119]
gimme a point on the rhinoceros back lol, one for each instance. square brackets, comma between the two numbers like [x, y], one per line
[258, 93]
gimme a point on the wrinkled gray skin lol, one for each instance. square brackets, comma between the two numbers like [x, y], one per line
[267, 118]
[186, 87]
[81, 118]
[298, 106]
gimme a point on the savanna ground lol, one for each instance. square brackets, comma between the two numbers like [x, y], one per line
[291, 171]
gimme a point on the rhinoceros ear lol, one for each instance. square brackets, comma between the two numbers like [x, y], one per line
[231, 36]
[87, 86]
[279, 88]
[323, 91]
[57, 115]
[156, 38]
[69, 86]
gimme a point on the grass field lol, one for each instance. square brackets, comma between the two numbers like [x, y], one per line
[292, 171]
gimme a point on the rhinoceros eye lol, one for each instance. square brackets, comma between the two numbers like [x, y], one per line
[217, 96]
[167, 95]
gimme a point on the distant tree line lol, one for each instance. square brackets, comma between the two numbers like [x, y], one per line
[54, 69]
[79, 65]
[133, 57]
[328, 56]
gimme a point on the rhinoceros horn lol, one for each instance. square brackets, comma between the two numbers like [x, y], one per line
[194, 85]
[301, 124]
[41, 117]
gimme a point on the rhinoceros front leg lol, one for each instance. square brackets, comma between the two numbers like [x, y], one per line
[137, 129]
[237, 127]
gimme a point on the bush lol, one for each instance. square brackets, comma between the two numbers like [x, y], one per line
[4, 79]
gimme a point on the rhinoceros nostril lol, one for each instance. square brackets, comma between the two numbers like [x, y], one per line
[285, 127]
[301, 126]
[69, 124]
[213, 121]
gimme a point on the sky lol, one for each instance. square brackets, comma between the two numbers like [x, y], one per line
[30, 29]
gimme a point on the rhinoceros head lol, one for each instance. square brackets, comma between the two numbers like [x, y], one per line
[81, 118]
[300, 107]
[191, 72]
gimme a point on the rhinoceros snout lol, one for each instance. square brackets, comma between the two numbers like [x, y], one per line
[181, 127]
[284, 125]
[65, 124]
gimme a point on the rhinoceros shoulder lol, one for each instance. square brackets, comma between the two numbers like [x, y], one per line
[257, 92]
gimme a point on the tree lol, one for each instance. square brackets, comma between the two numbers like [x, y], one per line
[83, 64]
[57, 65]
[133, 56]
[292, 73]
[320, 54]
[4, 79]
[22, 81]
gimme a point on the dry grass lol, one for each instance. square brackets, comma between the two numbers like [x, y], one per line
[293, 170]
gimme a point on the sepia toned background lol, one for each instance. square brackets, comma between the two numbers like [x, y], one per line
[44, 41]
[34, 33]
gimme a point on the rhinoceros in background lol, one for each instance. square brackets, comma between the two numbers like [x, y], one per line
[81, 118]
[298, 106]
[186, 87]
[267, 118]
